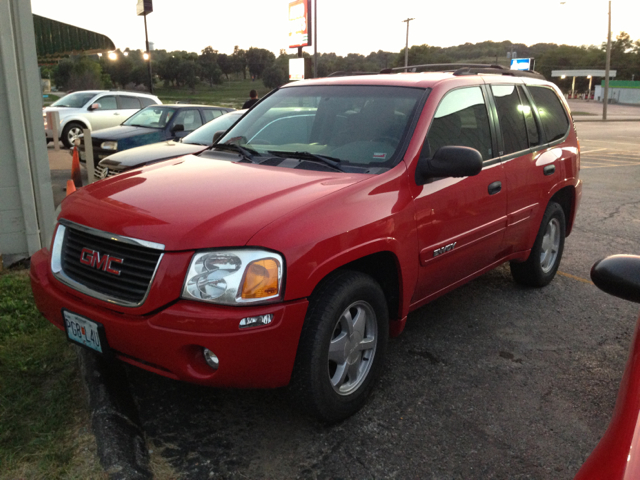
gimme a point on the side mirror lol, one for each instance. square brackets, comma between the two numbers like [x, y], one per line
[449, 162]
[178, 127]
[218, 135]
[618, 275]
[94, 106]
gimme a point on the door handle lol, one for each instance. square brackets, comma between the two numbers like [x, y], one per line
[494, 188]
[549, 169]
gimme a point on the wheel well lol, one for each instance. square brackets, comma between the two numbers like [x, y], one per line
[383, 267]
[565, 198]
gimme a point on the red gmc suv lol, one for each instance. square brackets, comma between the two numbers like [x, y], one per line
[290, 251]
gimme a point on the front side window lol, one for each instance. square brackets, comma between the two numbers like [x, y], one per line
[189, 119]
[552, 114]
[108, 102]
[461, 120]
[204, 134]
[511, 118]
[357, 125]
[150, 117]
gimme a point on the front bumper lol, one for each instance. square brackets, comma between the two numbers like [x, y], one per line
[170, 340]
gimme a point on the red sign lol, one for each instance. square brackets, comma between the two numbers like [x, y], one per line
[300, 23]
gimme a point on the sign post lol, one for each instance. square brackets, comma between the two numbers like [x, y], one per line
[300, 25]
[144, 8]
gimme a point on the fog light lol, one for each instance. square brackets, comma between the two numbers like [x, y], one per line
[256, 321]
[211, 359]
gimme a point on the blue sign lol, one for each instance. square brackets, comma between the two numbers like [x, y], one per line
[521, 64]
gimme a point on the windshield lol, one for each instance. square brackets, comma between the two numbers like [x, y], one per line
[74, 100]
[355, 125]
[150, 117]
[204, 134]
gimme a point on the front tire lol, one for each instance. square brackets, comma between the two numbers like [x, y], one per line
[70, 133]
[342, 346]
[544, 260]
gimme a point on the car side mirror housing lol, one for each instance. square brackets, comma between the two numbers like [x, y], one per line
[618, 275]
[449, 161]
[94, 106]
[178, 127]
[218, 135]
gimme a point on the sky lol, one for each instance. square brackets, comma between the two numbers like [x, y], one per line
[347, 26]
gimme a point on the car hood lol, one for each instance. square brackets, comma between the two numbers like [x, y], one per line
[150, 153]
[122, 131]
[192, 203]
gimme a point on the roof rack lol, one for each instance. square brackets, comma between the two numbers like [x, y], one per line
[459, 69]
[344, 73]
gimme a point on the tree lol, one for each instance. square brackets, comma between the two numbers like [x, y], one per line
[225, 64]
[258, 59]
[239, 61]
[274, 76]
[81, 74]
[208, 61]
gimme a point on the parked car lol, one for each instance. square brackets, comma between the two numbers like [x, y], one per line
[617, 455]
[95, 110]
[293, 249]
[151, 125]
[195, 142]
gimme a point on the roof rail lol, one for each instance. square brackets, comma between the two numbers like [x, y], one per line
[459, 69]
[343, 73]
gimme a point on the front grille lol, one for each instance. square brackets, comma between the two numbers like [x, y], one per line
[136, 269]
[99, 171]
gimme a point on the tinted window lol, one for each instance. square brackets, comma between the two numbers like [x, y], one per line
[190, 119]
[204, 135]
[128, 103]
[461, 120]
[151, 117]
[530, 121]
[145, 101]
[552, 114]
[514, 131]
[107, 103]
[74, 100]
[211, 114]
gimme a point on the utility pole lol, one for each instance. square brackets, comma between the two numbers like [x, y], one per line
[146, 38]
[607, 67]
[406, 48]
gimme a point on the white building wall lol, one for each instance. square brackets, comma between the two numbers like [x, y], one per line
[26, 200]
[629, 96]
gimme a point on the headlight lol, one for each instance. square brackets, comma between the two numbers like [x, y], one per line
[234, 277]
[109, 145]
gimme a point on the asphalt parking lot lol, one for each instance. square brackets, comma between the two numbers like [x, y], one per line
[490, 381]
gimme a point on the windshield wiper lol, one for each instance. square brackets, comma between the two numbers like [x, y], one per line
[247, 153]
[330, 161]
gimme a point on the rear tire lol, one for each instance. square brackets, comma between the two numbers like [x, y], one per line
[544, 260]
[342, 346]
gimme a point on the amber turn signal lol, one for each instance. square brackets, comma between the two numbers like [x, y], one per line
[261, 279]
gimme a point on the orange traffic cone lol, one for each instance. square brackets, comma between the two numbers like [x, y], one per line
[75, 168]
[70, 187]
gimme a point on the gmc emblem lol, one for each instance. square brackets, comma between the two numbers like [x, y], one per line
[102, 262]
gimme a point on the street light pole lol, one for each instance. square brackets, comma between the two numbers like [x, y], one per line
[406, 48]
[606, 70]
[146, 37]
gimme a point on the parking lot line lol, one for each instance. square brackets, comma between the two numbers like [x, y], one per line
[574, 277]
[591, 151]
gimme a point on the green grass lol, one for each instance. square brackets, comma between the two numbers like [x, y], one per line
[44, 430]
[230, 94]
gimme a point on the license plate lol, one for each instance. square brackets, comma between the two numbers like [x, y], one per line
[84, 331]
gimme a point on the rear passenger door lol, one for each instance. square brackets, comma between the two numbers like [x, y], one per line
[531, 126]
[460, 221]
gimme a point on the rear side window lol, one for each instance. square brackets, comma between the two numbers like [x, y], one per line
[461, 120]
[552, 114]
[511, 118]
[145, 101]
[129, 103]
[532, 127]
[211, 114]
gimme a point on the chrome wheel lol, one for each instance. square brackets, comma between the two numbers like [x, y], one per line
[352, 347]
[550, 245]
[73, 133]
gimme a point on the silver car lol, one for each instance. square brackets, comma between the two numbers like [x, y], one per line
[95, 110]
